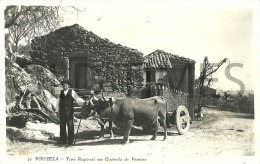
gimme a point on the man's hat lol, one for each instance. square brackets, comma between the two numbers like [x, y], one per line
[66, 82]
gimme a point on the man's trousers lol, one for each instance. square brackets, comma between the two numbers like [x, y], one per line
[66, 120]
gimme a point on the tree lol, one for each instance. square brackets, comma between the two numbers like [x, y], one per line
[39, 16]
[18, 32]
[30, 21]
[205, 80]
[9, 47]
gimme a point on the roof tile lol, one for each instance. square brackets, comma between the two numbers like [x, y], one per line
[161, 59]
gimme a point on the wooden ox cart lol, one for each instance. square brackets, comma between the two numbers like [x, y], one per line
[172, 77]
[177, 112]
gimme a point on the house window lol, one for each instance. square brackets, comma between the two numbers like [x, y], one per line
[150, 76]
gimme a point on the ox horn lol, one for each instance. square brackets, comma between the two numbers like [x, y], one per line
[112, 99]
[103, 96]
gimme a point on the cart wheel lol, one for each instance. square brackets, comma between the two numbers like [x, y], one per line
[182, 119]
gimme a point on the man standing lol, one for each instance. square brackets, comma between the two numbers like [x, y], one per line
[66, 112]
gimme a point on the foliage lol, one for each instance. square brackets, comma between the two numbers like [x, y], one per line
[238, 103]
[23, 57]
[23, 61]
[24, 50]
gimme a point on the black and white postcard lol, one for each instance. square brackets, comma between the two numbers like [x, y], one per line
[111, 81]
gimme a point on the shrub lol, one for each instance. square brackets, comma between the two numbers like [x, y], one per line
[244, 104]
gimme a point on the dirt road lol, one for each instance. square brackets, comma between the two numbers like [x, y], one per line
[221, 136]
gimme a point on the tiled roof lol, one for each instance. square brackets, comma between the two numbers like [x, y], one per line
[161, 59]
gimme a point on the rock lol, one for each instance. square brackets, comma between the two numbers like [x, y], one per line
[14, 133]
[17, 121]
[46, 78]
[52, 101]
[18, 78]
[9, 107]
[56, 91]
[18, 81]
[49, 129]
[33, 131]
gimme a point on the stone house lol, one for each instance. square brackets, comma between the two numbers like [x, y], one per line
[171, 76]
[87, 60]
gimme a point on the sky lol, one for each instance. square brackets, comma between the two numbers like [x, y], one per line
[192, 29]
[196, 30]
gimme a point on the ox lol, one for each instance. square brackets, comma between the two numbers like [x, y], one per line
[89, 109]
[126, 112]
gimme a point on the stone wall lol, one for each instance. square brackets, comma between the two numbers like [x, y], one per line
[118, 66]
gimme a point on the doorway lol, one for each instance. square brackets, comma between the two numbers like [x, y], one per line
[83, 78]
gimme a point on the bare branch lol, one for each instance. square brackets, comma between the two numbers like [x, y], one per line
[26, 22]
[12, 21]
[219, 65]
